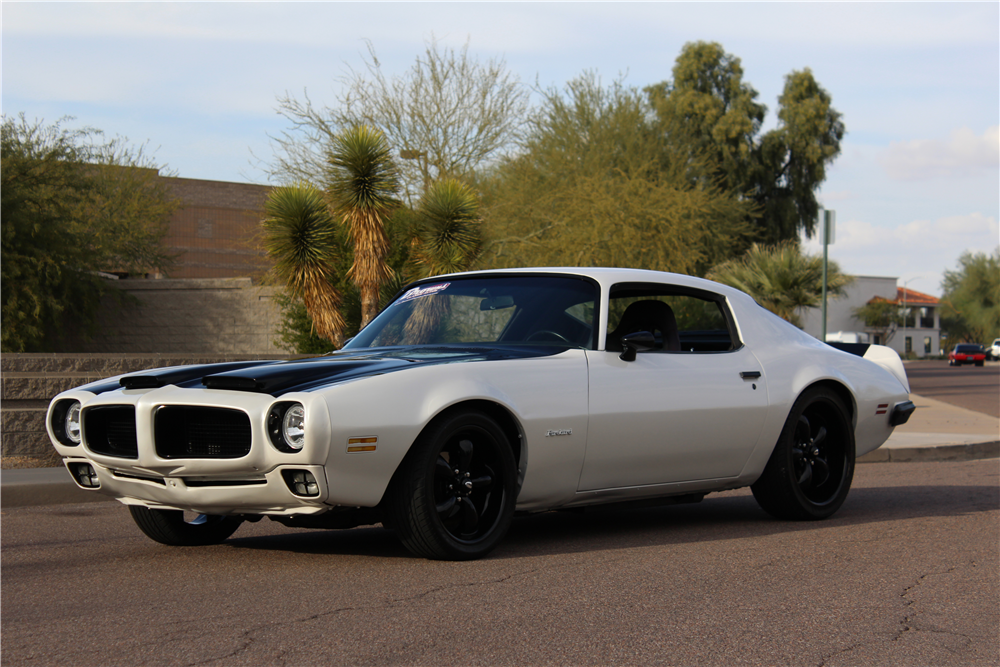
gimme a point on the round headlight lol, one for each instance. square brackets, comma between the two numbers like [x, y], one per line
[71, 425]
[293, 426]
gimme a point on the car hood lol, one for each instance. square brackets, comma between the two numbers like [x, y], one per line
[281, 377]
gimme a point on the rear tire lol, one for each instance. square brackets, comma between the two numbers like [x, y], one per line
[812, 465]
[453, 496]
[169, 527]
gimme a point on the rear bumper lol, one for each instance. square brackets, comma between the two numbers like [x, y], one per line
[901, 413]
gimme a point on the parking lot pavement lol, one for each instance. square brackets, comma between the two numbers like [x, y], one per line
[937, 431]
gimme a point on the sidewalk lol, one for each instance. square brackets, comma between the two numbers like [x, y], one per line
[937, 431]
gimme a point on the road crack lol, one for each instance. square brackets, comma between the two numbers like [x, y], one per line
[246, 640]
[909, 620]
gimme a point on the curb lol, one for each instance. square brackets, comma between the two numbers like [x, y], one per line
[53, 486]
[965, 452]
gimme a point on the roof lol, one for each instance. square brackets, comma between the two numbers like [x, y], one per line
[915, 298]
[608, 276]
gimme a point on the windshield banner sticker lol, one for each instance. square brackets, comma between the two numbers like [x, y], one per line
[418, 292]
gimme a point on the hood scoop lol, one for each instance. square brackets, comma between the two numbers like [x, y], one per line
[294, 375]
[236, 383]
[179, 375]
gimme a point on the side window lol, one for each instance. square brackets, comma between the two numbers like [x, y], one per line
[680, 319]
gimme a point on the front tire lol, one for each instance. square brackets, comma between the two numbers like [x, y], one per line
[453, 496]
[812, 465]
[170, 527]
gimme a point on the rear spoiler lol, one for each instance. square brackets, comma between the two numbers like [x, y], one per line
[886, 357]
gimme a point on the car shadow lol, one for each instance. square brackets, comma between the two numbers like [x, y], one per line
[726, 516]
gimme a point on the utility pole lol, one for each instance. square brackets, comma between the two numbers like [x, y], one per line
[828, 218]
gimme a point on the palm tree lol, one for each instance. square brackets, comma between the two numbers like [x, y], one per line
[447, 237]
[300, 236]
[781, 278]
[362, 180]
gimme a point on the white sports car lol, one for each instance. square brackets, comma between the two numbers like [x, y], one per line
[474, 396]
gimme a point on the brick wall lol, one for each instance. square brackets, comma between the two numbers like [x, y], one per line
[214, 233]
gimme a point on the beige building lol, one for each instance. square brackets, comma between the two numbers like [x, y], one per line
[920, 337]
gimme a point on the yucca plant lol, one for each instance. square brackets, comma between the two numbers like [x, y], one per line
[447, 237]
[300, 236]
[781, 278]
[362, 180]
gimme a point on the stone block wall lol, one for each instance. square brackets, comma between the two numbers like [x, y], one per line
[29, 381]
[211, 316]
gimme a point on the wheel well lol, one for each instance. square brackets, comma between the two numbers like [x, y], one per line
[843, 392]
[508, 424]
[498, 413]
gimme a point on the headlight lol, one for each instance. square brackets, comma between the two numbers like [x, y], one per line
[66, 422]
[293, 426]
[286, 426]
[72, 422]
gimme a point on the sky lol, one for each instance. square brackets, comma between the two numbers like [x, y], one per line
[916, 185]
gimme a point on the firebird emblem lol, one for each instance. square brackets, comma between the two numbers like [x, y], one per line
[562, 431]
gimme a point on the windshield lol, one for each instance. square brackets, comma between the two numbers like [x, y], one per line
[536, 310]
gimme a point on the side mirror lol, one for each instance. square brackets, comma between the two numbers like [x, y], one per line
[638, 341]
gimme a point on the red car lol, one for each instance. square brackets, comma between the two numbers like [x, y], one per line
[967, 353]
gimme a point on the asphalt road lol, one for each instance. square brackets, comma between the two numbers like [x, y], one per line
[907, 573]
[968, 387]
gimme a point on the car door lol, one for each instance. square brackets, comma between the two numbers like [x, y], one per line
[674, 415]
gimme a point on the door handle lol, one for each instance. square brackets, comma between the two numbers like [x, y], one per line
[749, 375]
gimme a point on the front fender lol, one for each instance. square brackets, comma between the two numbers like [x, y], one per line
[543, 394]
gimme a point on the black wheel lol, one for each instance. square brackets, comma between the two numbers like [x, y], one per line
[979, 363]
[811, 468]
[453, 496]
[171, 528]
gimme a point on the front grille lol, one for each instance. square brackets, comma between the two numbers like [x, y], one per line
[110, 430]
[185, 432]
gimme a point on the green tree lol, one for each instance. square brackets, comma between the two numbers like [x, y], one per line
[450, 111]
[882, 316]
[74, 204]
[362, 180]
[970, 306]
[302, 239]
[591, 187]
[781, 278]
[708, 112]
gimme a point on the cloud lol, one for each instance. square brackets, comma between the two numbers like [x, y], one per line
[921, 250]
[962, 154]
